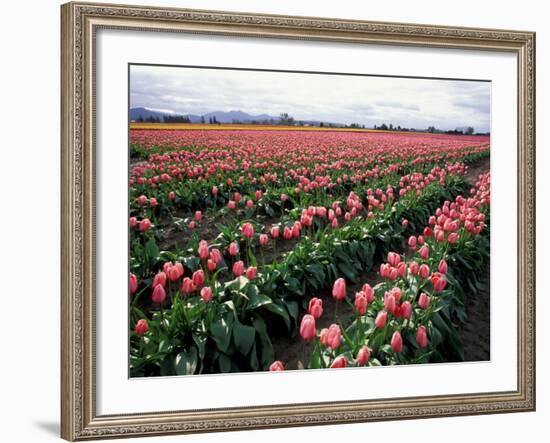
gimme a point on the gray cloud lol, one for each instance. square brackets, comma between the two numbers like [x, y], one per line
[417, 103]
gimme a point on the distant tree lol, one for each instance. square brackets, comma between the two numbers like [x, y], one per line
[391, 127]
[140, 118]
[286, 119]
[431, 129]
[321, 124]
[202, 119]
[470, 130]
[383, 127]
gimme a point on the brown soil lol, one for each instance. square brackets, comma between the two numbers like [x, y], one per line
[475, 170]
[475, 333]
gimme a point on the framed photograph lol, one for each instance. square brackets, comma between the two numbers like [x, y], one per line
[283, 221]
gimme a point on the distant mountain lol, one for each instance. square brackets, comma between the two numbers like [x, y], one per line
[220, 116]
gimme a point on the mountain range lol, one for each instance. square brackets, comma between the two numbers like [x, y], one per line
[220, 116]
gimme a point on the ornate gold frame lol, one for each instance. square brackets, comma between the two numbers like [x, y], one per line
[79, 23]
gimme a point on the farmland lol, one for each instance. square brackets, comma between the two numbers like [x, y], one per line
[254, 249]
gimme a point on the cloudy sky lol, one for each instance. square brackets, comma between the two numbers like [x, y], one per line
[417, 103]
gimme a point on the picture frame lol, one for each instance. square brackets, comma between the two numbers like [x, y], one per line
[79, 241]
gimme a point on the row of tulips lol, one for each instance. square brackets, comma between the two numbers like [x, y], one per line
[234, 313]
[407, 317]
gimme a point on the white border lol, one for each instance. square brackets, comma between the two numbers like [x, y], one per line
[117, 394]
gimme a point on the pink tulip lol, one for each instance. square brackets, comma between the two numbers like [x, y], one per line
[422, 336]
[275, 232]
[315, 307]
[238, 268]
[389, 302]
[153, 202]
[141, 327]
[381, 319]
[248, 230]
[412, 242]
[453, 238]
[339, 362]
[251, 273]
[206, 294]
[393, 258]
[133, 222]
[159, 294]
[439, 236]
[264, 239]
[369, 292]
[192, 225]
[428, 231]
[439, 281]
[198, 216]
[406, 310]
[211, 265]
[187, 286]
[214, 190]
[424, 301]
[231, 204]
[443, 268]
[276, 366]
[405, 223]
[203, 249]
[363, 356]
[401, 269]
[414, 268]
[323, 335]
[216, 255]
[339, 289]
[198, 278]
[361, 303]
[172, 196]
[334, 337]
[233, 249]
[424, 271]
[160, 279]
[133, 284]
[145, 225]
[396, 342]
[249, 204]
[424, 252]
[141, 200]
[287, 233]
[308, 330]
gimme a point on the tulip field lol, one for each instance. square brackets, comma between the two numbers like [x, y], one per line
[262, 250]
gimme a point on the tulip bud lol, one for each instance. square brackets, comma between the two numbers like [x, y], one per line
[339, 362]
[339, 289]
[198, 215]
[233, 249]
[307, 327]
[251, 273]
[145, 225]
[133, 222]
[247, 230]
[323, 337]
[315, 307]
[424, 271]
[160, 279]
[413, 268]
[442, 268]
[198, 278]
[334, 337]
[159, 294]
[203, 249]
[412, 242]
[206, 294]
[381, 319]
[368, 291]
[396, 342]
[361, 303]
[393, 258]
[424, 301]
[238, 268]
[141, 327]
[133, 284]
[363, 356]
[276, 366]
[264, 239]
[422, 336]
[406, 310]
[424, 252]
